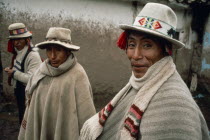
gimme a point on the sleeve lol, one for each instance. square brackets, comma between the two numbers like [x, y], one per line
[84, 100]
[32, 63]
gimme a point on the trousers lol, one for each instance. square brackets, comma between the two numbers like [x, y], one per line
[20, 97]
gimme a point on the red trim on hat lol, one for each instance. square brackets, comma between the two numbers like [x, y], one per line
[156, 25]
[18, 31]
[142, 21]
[122, 40]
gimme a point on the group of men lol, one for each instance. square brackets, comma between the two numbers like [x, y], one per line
[155, 104]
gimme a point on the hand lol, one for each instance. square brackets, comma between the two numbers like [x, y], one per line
[9, 71]
[6, 69]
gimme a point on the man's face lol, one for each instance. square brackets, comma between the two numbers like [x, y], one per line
[57, 55]
[142, 52]
[19, 43]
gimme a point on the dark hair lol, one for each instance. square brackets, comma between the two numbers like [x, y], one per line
[163, 42]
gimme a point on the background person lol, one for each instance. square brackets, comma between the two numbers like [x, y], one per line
[25, 61]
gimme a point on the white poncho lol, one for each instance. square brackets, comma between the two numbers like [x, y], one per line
[61, 102]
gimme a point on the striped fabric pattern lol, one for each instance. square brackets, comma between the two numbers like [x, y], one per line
[17, 65]
[104, 113]
[162, 109]
[23, 124]
[132, 121]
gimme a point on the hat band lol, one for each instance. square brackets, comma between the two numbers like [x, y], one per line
[155, 25]
[61, 40]
[18, 31]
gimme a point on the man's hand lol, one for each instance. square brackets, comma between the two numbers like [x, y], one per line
[9, 71]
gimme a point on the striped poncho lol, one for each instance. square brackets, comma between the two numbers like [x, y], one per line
[163, 108]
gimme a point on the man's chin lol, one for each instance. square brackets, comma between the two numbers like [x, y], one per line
[138, 75]
[19, 48]
[55, 65]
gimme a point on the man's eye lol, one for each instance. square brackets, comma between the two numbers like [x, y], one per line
[131, 45]
[147, 45]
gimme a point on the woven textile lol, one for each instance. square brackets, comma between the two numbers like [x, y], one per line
[155, 77]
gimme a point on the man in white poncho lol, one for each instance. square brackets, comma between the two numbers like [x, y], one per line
[59, 96]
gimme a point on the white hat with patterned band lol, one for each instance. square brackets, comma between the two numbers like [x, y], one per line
[18, 30]
[158, 20]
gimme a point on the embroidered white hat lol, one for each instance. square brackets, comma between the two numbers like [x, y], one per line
[59, 36]
[158, 20]
[18, 30]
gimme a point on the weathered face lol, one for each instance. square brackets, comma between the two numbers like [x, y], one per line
[142, 52]
[57, 55]
[19, 43]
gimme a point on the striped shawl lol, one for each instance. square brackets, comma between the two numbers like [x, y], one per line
[160, 82]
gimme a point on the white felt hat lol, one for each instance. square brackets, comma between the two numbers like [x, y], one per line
[59, 36]
[158, 20]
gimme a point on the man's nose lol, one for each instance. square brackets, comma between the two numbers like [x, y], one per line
[53, 54]
[16, 41]
[138, 53]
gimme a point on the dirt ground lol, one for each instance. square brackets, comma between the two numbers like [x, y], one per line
[9, 125]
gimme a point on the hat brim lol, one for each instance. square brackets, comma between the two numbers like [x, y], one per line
[24, 35]
[176, 44]
[42, 45]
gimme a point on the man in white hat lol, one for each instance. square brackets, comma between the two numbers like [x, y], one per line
[156, 103]
[59, 95]
[25, 61]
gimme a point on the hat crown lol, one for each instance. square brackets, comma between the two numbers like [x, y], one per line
[58, 33]
[18, 30]
[58, 36]
[16, 26]
[159, 12]
[157, 20]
